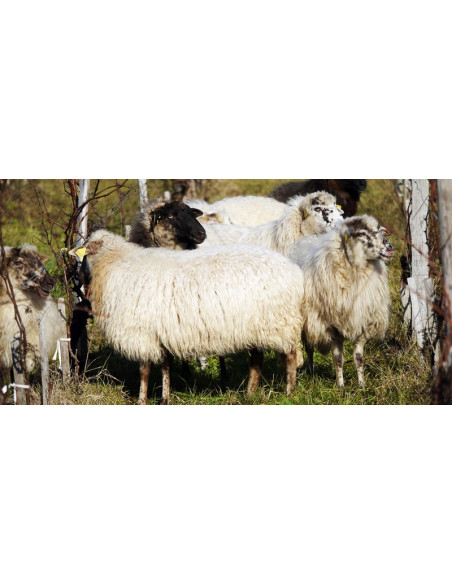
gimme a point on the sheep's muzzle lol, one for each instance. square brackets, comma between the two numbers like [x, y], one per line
[45, 285]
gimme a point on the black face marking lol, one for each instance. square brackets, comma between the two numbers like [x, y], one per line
[178, 221]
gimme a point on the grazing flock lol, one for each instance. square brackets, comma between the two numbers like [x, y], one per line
[245, 273]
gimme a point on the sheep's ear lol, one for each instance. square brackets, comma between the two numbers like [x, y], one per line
[348, 234]
[43, 259]
[196, 212]
[93, 247]
[305, 213]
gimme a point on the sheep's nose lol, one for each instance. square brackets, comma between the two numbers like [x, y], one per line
[200, 235]
[47, 282]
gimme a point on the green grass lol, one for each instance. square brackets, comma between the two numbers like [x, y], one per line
[394, 370]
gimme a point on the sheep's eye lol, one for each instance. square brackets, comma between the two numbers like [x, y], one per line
[317, 209]
[170, 216]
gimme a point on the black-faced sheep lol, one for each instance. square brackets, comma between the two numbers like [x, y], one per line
[152, 303]
[316, 213]
[172, 225]
[346, 289]
[32, 285]
[346, 191]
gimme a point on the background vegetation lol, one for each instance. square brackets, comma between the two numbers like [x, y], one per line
[395, 372]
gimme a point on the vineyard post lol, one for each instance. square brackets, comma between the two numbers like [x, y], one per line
[445, 230]
[420, 283]
[143, 192]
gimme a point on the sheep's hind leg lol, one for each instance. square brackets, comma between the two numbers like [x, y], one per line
[256, 361]
[358, 351]
[166, 378]
[291, 360]
[310, 359]
[338, 358]
[145, 370]
[223, 372]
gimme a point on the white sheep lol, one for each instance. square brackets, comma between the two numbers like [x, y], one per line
[31, 285]
[152, 303]
[312, 214]
[346, 289]
[243, 210]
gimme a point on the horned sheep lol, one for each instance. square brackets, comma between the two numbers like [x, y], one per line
[31, 285]
[193, 303]
[346, 289]
[313, 214]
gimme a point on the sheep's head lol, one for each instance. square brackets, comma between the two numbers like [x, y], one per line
[174, 225]
[319, 209]
[365, 240]
[26, 270]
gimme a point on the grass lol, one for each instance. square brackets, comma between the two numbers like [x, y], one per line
[394, 371]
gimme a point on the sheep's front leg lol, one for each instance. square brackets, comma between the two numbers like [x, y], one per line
[166, 378]
[256, 361]
[223, 372]
[338, 358]
[358, 351]
[145, 370]
[291, 360]
[310, 358]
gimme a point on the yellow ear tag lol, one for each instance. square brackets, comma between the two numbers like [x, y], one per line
[346, 238]
[339, 207]
[81, 252]
[305, 214]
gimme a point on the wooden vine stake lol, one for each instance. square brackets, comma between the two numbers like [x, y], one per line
[82, 231]
[420, 284]
[64, 345]
[44, 349]
[143, 192]
[444, 379]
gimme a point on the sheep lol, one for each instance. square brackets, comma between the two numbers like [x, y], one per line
[346, 289]
[346, 191]
[31, 285]
[173, 225]
[152, 303]
[315, 213]
[244, 210]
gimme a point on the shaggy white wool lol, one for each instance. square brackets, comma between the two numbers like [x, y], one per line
[303, 216]
[346, 284]
[193, 303]
[209, 214]
[244, 210]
